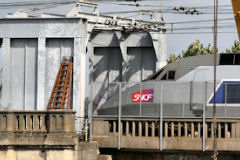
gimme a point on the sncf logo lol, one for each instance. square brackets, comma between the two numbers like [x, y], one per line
[146, 96]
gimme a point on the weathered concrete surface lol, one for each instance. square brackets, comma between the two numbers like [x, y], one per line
[131, 155]
[105, 157]
[88, 151]
[177, 134]
[42, 135]
[81, 151]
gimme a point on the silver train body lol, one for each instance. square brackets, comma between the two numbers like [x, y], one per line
[181, 89]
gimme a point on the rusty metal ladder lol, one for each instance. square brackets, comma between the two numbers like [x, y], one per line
[61, 93]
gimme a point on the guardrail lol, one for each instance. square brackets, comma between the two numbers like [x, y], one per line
[172, 134]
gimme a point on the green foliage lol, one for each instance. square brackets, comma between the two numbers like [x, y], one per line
[173, 58]
[195, 48]
[235, 48]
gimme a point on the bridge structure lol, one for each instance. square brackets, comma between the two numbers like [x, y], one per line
[168, 134]
[176, 126]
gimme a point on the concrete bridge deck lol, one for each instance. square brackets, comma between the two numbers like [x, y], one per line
[172, 135]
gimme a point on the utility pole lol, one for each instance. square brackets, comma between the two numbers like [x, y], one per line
[215, 152]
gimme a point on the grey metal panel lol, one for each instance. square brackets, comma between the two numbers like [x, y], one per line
[18, 74]
[107, 68]
[148, 61]
[31, 74]
[24, 73]
[2, 30]
[134, 65]
[100, 66]
[6, 72]
[22, 28]
[60, 28]
[41, 73]
[56, 49]
[29, 28]
[159, 41]
[141, 63]
[104, 39]
[138, 39]
[78, 50]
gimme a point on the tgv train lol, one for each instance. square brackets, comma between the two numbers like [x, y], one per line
[182, 89]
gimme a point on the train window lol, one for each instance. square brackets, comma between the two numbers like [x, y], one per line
[226, 59]
[227, 93]
[171, 75]
[237, 59]
[232, 93]
[164, 77]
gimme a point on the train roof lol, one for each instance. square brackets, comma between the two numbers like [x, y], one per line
[175, 70]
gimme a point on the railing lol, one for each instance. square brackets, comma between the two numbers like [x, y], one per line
[172, 128]
[172, 134]
[37, 121]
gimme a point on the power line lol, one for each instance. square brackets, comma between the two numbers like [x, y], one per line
[32, 3]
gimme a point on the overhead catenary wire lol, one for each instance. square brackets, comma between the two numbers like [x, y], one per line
[35, 3]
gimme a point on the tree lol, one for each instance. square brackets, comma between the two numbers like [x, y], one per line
[173, 58]
[195, 48]
[235, 48]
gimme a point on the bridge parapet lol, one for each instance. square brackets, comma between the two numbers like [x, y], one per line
[37, 121]
[38, 128]
[172, 134]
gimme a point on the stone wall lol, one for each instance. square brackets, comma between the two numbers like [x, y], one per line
[82, 151]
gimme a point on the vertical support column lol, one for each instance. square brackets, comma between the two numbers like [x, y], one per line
[159, 40]
[119, 114]
[140, 128]
[233, 130]
[192, 130]
[133, 128]
[6, 73]
[36, 122]
[212, 133]
[199, 130]
[146, 129]
[11, 122]
[41, 74]
[43, 126]
[79, 80]
[172, 129]
[114, 128]
[219, 130]
[226, 130]
[127, 128]
[161, 118]
[90, 106]
[206, 133]
[140, 103]
[68, 122]
[153, 129]
[204, 117]
[185, 129]
[166, 129]
[179, 129]
[29, 123]
[21, 123]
